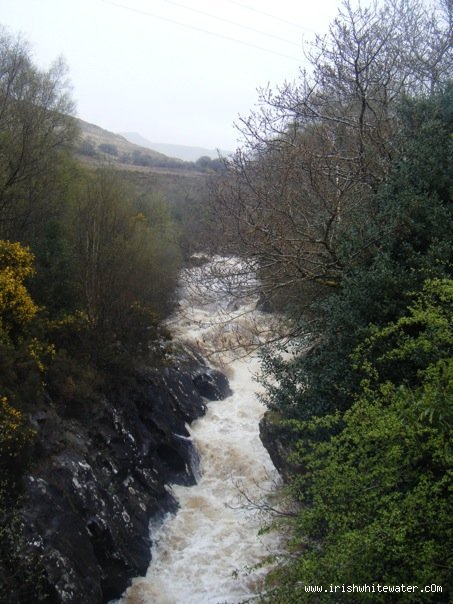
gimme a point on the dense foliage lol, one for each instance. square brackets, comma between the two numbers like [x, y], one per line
[296, 198]
[341, 200]
[88, 269]
[375, 492]
[411, 232]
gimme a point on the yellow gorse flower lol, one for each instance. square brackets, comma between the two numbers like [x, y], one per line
[15, 433]
[16, 305]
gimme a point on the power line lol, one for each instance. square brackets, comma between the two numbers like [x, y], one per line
[275, 17]
[194, 27]
[224, 20]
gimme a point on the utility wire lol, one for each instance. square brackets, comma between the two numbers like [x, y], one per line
[224, 20]
[194, 27]
[261, 12]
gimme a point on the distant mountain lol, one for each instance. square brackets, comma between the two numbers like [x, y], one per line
[131, 151]
[101, 139]
[183, 152]
[98, 146]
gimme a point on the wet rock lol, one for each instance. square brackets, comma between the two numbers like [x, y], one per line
[100, 478]
[277, 441]
[212, 384]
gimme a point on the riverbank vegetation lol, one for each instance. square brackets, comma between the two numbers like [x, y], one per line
[89, 259]
[341, 200]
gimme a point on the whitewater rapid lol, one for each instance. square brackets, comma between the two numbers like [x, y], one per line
[208, 552]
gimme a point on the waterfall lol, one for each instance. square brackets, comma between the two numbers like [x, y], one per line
[208, 552]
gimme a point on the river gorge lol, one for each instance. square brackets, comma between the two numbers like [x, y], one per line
[210, 550]
[161, 475]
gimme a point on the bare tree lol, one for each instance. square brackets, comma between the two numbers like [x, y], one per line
[315, 150]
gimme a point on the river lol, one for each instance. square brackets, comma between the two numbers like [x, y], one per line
[207, 551]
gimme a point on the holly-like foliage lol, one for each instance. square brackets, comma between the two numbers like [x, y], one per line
[375, 497]
[367, 397]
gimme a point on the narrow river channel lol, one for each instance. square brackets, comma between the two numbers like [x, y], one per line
[206, 552]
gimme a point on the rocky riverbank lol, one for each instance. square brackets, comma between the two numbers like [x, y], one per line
[100, 477]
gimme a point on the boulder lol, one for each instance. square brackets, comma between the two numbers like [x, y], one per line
[212, 384]
[276, 440]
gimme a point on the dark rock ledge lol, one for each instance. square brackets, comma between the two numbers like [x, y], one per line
[100, 477]
[277, 440]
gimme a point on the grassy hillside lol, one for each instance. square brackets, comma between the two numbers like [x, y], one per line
[97, 146]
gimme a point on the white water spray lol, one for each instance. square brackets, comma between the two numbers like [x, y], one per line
[208, 552]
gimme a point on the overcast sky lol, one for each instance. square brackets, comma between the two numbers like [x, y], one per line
[175, 71]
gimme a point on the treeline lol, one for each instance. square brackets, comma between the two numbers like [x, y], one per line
[342, 201]
[103, 257]
[88, 269]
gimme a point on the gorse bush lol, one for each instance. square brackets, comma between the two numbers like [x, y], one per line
[16, 306]
[24, 354]
[16, 436]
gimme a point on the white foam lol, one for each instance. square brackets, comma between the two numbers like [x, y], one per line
[203, 554]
